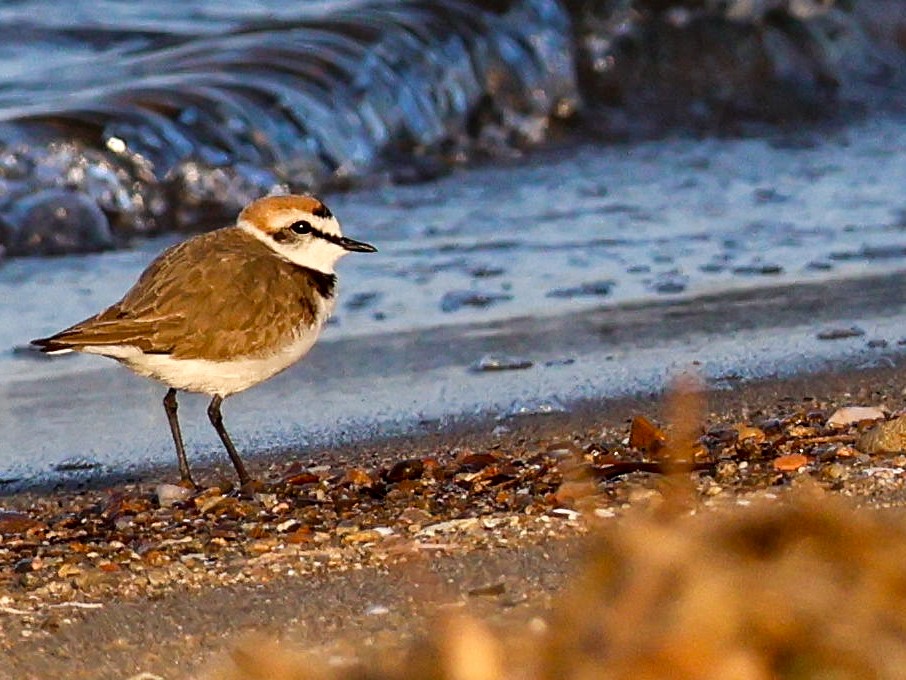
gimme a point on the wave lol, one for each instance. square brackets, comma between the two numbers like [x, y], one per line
[183, 130]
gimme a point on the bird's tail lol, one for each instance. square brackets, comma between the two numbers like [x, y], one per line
[53, 345]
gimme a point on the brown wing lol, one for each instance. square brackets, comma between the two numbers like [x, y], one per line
[192, 303]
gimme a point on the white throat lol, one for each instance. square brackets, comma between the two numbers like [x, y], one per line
[320, 254]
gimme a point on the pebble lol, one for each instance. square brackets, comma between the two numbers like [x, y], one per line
[670, 285]
[833, 472]
[362, 300]
[885, 437]
[455, 300]
[450, 525]
[849, 415]
[365, 536]
[532, 407]
[840, 333]
[644, 435]
[790, 462]
[758, 269]
[412, 468]
[591, 288]
[16, 523]
[500, 362]
[211, 503]
[754, 434]
[268, 500]
[287, 525]
[168, 494]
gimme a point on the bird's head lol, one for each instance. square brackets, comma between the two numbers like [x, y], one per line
[300, 229]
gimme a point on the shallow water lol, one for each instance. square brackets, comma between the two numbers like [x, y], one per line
[485, 260]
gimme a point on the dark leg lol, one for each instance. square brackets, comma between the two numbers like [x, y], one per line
[217, 421]
[170, 406]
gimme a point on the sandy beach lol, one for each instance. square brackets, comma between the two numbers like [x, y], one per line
[347, 550]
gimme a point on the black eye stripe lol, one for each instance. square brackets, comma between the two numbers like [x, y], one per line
[290, 232]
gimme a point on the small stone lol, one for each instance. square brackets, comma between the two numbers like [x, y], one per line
[157, 577]
[669, 285]
[415, 516]
[291, 523]
[366, 536]
[362, 300]
[726, 470]
[532, 407]
[849, 415]
[758, 269]
[885, 437]
[840, 333]
[790, 462]
[406, 469]
[475, 462]
[801, 431]
[300, 535]
[457, 299]
[450, 525]
[833, 472]
[209, 504]
[17, 523]
[645, 435]
[358, 477]
[68, 570]
[23, 566]
[268, 500]
[747, 432]
[168, 494]
[262, 546]
[589, 289]
[500, 362]
[569, 492]
[490, 590]
[713, 489]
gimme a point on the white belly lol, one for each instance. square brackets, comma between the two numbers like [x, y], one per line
[211, 377]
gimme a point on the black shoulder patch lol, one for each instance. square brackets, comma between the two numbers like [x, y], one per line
[325, 284]
[322, 211]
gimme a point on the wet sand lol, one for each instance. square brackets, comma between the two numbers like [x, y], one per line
[342, 595]
[362, 388]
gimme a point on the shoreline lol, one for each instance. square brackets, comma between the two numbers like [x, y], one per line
[424, 382]
[334, 582]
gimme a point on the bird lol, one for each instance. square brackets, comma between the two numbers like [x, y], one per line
[224, 310]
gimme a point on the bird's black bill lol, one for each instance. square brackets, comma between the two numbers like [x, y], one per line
[356, 246]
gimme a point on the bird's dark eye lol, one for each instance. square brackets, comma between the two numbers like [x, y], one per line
[301, 227]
